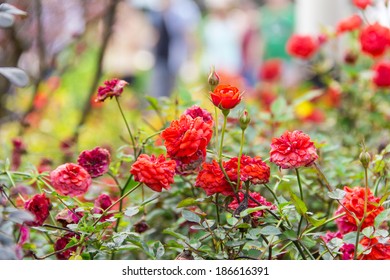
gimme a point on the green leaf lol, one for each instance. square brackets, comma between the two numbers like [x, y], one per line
[270, 230]
[150, 199]
[299, 204]
[158, 249]
[15, 75]
[187, 202]
[175, 234]
[190, 216]
[290, 234]
[235, 243]
[131, 211]
[368, 231]
[383, 198]
[336, 194]
[382, 217]
[350, 238]
[248, 211]
[279, 106]
[315, 222]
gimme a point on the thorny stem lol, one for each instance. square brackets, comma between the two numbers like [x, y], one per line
[222, 137]
[127, 127]
[239, 159]
[216, 128]
[217, 209]
[360, 224]
[113, 204]
[301, 195]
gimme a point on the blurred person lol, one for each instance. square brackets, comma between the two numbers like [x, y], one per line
[221, 36]
[251, 48]
[174, 24]
[277, 24]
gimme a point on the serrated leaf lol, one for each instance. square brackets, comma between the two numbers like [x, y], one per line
[270, 230]
[382, 217]
[299, 204]
[336, 194]
[131, 211]
[190, 216]
[15, 75]
[187, 202]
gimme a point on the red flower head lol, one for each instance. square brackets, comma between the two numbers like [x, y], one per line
[255, 200]
[382, 74]
[196, 111]
[18, 149]
[354, 202]
[39, 206]
[293, 150]
[70, 179]
[95, 161]
[302, 46]
[377, 250]
[212, 180]
[186, 139]
[362, 4]
[374, 39]
[271, 70]
[102, 203]
[156, 173]
[251, 169]
[349, 24]
[110, 89]
[225, 97]
[61, 244]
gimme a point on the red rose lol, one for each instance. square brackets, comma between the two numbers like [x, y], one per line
[377, 250]
[251, 169]
[354, 202]
[39, 206]
[110, 89]
[61, 243]
[225, 97]
[302, 46]
[374, 39]
[186, 139]
[271, 70]
[212, 180]
[102, 203]
[95, 161]
[349, 24]
[362, 4]
[70, 179]
[293, 150]
[382, 74]
[156, 173]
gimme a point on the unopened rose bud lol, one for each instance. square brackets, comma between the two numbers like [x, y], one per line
[244, 120]
[350, 57]
[213, 79]
[365, 158]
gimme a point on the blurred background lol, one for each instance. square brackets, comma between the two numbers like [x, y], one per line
[163, 48]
